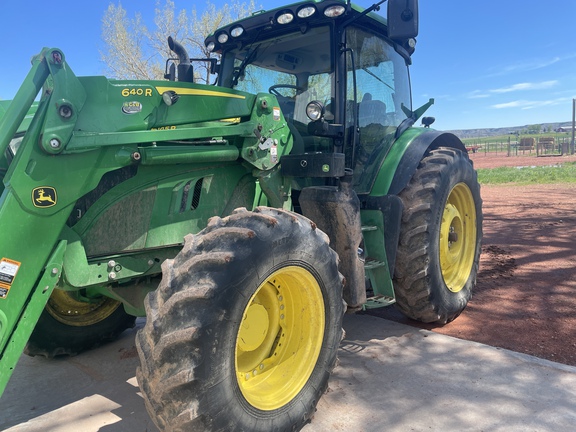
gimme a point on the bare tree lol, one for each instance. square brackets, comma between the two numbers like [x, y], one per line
[126, 56]
[209, 21]
[134, 52]
[168, 23]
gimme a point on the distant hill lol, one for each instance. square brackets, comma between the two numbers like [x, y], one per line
[487, 132]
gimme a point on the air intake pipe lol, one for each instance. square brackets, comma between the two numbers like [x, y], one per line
[185, 71]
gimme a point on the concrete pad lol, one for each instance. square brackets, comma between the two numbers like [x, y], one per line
[391, 377]
[397, 378]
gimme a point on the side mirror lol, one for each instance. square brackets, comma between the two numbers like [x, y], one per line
[427, 121]
[402, 19]
[170, 73]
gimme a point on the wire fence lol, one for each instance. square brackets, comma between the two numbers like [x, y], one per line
[542, 146]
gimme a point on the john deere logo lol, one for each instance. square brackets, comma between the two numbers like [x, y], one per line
[44, 196]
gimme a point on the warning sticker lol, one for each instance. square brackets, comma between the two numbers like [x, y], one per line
[274, 154]
[8, 270]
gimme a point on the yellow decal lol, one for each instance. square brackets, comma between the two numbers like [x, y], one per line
[8, 270]
[44, 197]
[164, 128]
[198, 92]
[231, 120]
[136, 91]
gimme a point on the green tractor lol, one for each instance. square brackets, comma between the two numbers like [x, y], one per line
[241, 218]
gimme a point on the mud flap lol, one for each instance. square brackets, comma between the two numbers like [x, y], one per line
[336, 211]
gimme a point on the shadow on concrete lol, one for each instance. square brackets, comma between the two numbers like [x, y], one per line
[390, 377]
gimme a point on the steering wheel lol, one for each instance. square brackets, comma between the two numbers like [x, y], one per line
[274, 89]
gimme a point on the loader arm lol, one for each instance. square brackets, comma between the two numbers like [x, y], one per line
[40, 188]
[30, 256]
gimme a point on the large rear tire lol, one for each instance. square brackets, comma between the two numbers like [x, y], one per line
[69, 326]
[440, 238]
[242, 333]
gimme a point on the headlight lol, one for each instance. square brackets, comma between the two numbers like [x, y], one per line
[236, 31]
[170, 97]
[285, 18]
[314, 110]
[222, 38]
[306, 11]
[334, 11]
[211, 46]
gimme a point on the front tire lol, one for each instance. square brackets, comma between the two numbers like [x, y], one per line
[243, 331]
[440, 238]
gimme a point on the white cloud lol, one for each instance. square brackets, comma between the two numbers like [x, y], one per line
[526, 86]
[530, 66]
[526, 104]
[513, 104]
[477, 94]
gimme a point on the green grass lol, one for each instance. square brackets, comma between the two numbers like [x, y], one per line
[564, 173]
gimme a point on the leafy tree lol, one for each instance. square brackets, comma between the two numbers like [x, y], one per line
[534, 129]
[134, 52]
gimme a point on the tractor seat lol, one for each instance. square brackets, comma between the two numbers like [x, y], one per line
[371, 111]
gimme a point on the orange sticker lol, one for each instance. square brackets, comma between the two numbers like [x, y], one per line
[8, 270]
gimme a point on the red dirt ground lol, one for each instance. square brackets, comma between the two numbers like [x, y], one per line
[525, 298]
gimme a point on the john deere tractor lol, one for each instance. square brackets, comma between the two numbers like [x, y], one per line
[241, 217]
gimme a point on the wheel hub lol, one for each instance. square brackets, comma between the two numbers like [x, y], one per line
[451, 232]
[254, 328]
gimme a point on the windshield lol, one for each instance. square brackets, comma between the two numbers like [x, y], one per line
[296, 67]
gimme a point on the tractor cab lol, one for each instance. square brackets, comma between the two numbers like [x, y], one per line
[341, 80]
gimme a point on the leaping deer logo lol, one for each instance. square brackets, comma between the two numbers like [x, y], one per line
[44, 196]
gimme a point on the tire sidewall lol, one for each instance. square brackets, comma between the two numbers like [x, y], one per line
[448, 302]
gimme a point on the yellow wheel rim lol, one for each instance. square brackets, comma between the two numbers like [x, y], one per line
[280, 338]
[70, 311]
[458, 237]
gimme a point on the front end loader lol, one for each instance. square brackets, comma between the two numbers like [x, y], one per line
[241, 218]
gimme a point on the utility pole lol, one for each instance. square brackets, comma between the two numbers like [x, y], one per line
[573, 125]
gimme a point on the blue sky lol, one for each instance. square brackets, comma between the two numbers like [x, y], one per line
[489, 63]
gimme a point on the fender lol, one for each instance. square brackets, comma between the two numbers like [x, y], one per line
[395, 173]
[405, 155]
